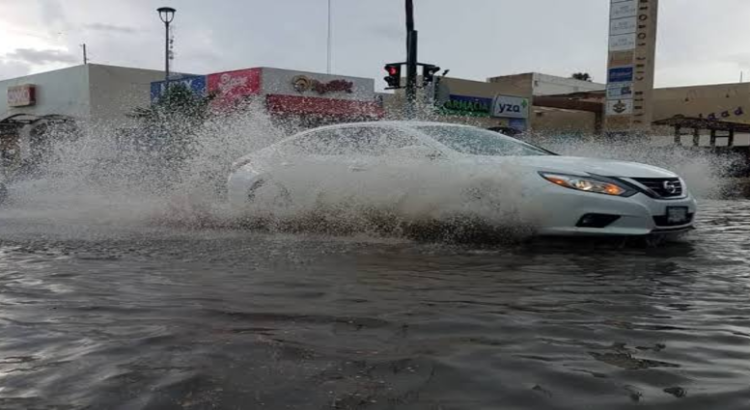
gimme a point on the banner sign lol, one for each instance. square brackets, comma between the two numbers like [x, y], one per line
[630, 79]
[510, 107]
[197, 84]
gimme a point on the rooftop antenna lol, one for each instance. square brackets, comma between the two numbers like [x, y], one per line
[85, 57]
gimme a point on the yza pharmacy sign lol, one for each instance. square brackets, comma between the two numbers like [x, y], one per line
[504, 106]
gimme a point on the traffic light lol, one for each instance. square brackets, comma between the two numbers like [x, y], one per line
[394, 75]
[428, 75]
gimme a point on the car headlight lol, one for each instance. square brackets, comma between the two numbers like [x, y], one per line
[595, 184]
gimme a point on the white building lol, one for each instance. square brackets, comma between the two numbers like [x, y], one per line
[89, 92]
[92, 92]
[539, 84]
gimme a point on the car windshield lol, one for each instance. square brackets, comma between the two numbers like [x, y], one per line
[348, 141]
[476, 141]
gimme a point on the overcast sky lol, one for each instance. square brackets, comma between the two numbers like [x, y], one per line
[699, 41]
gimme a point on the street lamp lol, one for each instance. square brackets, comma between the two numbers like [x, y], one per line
[166, 14]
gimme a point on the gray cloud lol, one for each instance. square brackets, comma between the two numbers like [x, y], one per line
[390, 32]
[52, 12]
[12, 69]
[487, 38]
[32, 56]
[111, 28]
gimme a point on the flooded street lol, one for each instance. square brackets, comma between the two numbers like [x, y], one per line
[100, 317]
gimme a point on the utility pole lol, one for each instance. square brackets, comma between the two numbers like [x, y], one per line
[411, 61]
[85, 58]
[328, 45]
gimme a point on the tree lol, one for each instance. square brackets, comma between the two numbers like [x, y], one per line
[178, 102]
[582, 77]
[168, 127]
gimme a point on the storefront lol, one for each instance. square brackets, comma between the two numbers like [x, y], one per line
[488, 105]
[31, 104]
[303, 98]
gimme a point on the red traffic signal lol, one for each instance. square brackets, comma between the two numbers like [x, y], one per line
[394, 75]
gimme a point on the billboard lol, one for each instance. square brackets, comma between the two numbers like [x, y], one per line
[630, 78]
[195, 83]
[620, 74]
[231, 86]
[619, 90]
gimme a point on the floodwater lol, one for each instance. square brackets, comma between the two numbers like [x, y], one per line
[111, 317]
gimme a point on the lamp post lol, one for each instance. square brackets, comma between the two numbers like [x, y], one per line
[166, 14]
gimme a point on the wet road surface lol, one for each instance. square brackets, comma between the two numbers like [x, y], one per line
[112, 318]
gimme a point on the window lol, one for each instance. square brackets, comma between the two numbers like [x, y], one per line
[475, 141]
[369, 141]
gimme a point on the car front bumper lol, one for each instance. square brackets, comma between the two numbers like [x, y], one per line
[639, 215]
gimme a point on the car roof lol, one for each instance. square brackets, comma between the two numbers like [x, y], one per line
[400, 124]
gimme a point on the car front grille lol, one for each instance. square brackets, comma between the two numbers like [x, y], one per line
[664, 187]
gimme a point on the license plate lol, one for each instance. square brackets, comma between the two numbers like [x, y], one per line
[677, 214]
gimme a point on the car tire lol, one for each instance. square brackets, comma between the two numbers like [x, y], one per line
[278, 195]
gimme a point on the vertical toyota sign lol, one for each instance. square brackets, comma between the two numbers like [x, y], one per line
[630, 71]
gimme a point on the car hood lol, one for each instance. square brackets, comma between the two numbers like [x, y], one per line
[582, 165]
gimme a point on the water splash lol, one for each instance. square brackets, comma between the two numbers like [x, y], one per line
[98, 176]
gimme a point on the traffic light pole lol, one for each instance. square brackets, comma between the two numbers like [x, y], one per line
[411, 61]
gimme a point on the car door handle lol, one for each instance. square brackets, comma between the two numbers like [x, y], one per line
[357, 168]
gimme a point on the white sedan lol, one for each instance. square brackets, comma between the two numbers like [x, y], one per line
[569, 195]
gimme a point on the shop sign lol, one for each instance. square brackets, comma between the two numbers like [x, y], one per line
[303, 84]
[623, 8]
[510, 107]
[623, 106]
[230, 86]
[627, 25]
[21, 95]
[622, 42]
[619, 90]
[621, 58]
[620, 75]
[469, 106]
[197, 84]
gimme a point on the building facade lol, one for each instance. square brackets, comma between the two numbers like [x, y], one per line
[305, 99]
[90, 92]
[538, 84]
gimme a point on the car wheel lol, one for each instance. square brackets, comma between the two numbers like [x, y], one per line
[266, 191]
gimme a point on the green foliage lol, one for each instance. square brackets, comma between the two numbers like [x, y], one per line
[177, 103]
[169, 127]
[582, 77]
